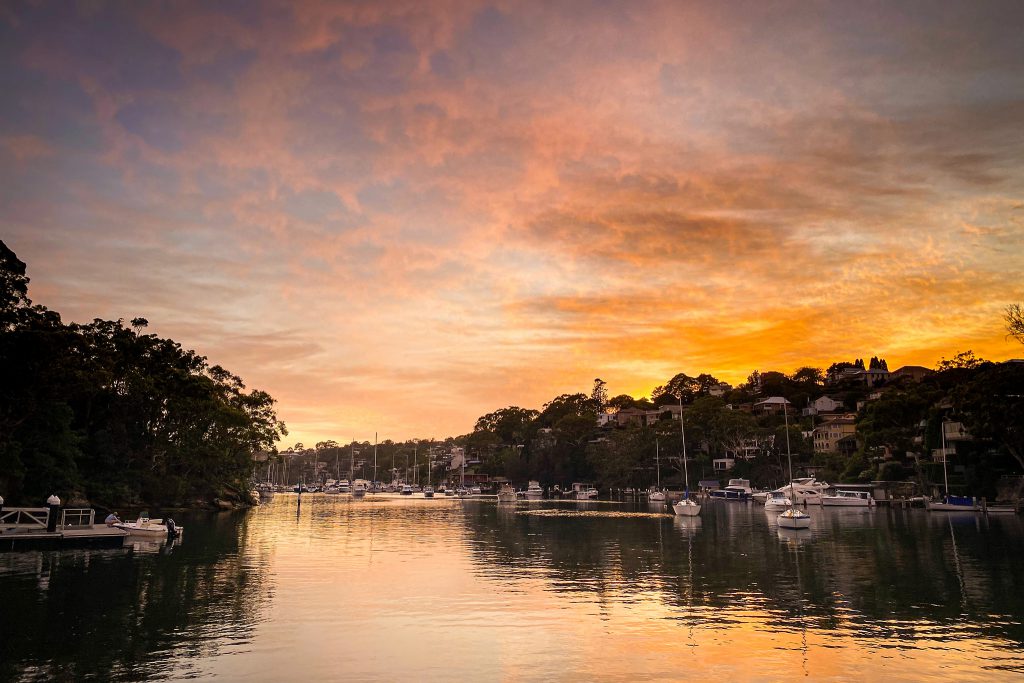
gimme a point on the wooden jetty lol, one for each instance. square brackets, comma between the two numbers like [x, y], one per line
[54, 528]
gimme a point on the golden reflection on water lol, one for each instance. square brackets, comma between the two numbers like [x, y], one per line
[390, 588]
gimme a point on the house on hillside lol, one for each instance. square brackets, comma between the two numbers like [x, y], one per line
[837, 435]
[776, 405]
[914, 373]
[822, 404]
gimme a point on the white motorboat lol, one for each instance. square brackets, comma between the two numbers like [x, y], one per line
[151, 528]
[406, 490]
[806, 491]
[686, 507]
[534, 491]
[428, 491]
[656, 496]
[853, 499]
[359, 488]
[506, 494]
[777, 500]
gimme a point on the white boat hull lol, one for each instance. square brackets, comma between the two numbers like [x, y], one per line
[150, 530]
[794, 519]
[656, 497]
[686, 508]
[830, 501]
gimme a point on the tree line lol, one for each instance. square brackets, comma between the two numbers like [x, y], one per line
[106, 414]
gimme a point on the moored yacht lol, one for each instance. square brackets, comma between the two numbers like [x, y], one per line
[738, 489]
[841, 498]
[534, 491]
[506, 494]
[776, 500]
[406, 490]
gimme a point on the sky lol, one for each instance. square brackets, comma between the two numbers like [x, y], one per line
[396, 217]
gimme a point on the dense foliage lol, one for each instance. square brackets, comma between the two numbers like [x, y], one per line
[105, 413]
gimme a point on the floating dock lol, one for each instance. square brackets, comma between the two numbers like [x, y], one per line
[33, 529]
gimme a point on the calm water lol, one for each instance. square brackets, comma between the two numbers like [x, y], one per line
[396, 588]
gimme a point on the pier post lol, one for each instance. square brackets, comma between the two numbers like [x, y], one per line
[1, 505]
[53, 503]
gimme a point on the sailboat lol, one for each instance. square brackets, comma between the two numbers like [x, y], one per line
[951, 503]
[686, 507]
[657, 495]
[792, 518]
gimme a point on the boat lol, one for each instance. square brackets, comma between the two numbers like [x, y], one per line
[687, 507]
[777, 500]
[506, 494]
[581, 491]
[853, 499]
[151, 528]
[738, 489]
[406, 490]
[534, 491]
[359, 488]
[806, 491]
[792, 518]
[656, 495]
[428, 491]
[950, 503]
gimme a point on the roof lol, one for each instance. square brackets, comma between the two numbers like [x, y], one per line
[773, 400]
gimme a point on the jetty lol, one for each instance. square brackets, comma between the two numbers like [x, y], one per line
[54, 528]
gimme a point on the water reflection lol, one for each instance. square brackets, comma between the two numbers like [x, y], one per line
[388, 587]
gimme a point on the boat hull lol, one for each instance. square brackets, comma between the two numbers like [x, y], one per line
[829, 501]
[952, 507]
[794, 519]
[686, 508]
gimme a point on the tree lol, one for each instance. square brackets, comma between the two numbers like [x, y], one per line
[1014, 317]
[991, 407]
[600, 393]
[680, 385]
[965, 360]
[809, 375]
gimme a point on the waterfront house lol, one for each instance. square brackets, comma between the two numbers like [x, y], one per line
[835, 435]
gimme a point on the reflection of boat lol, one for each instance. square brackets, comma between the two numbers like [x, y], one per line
[858, 499]
[738, 489]
[534, 491]
[793, 518]
[951, 503]
[777, 500]
[151, 528]
[687, 507]
[506, 494]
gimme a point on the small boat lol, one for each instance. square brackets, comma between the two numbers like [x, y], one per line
[853, 499]
[655, 494]
[359, 489]
[793, 518]
[151, 528]
[449, 492]
[686, 507]
[428, 491]
[406, 490]
[476, 491]
[954, 504]
[738, 489]
[534, 491]
[950, 503]
[506, 494]
[777, 500]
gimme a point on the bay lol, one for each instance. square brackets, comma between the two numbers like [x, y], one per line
[391, 587]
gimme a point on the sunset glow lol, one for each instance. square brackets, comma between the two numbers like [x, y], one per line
[398, 216]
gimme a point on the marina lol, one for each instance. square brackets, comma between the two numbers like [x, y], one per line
[585, 590]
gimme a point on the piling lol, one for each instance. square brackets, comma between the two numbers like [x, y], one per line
[53, 503]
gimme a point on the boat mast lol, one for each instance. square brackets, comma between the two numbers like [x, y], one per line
[352, 463]
[945, 473]
[375, 459]
[657, 462]
[686, 469]
[789, 457]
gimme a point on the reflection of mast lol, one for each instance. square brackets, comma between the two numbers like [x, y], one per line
[956, 565]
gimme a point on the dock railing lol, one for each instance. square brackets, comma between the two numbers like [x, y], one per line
[77, 517]
[24, 518]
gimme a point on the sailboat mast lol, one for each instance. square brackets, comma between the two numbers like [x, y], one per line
[945, 473]
[657, 462]
[682, 431]
[789, 455]
[375, 459]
